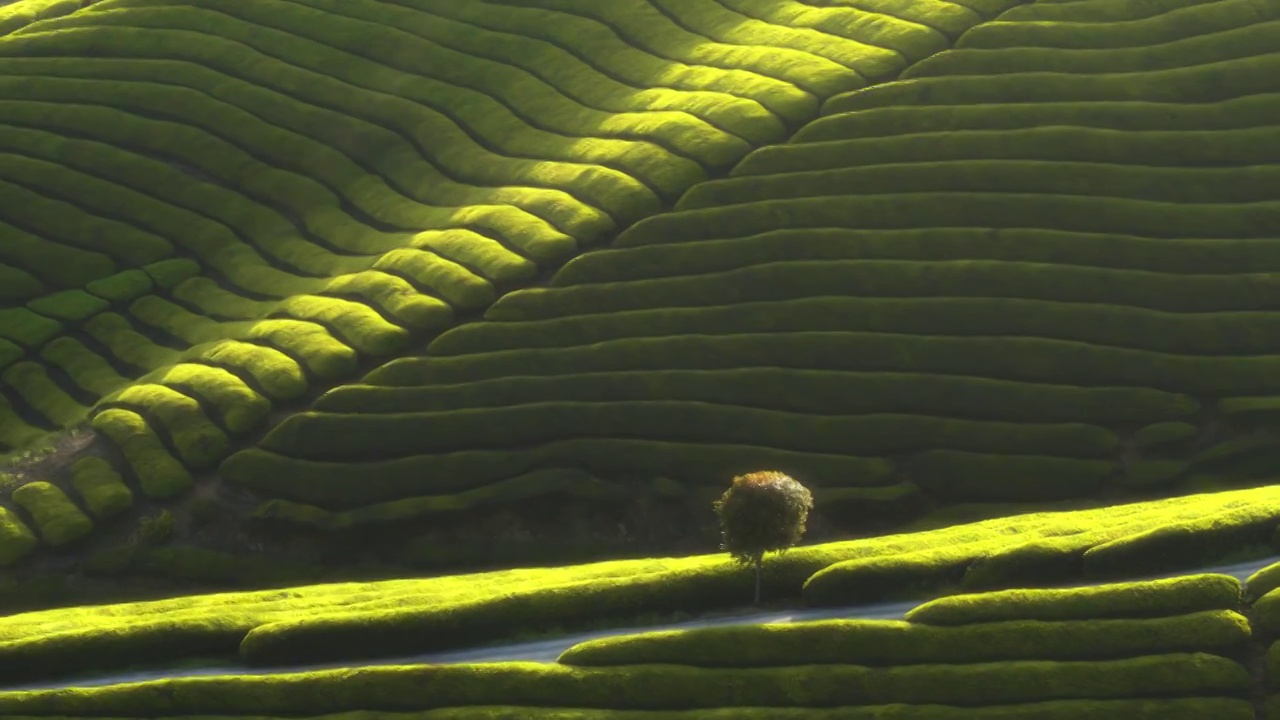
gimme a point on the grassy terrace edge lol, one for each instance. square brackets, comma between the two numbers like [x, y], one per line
[346, 621]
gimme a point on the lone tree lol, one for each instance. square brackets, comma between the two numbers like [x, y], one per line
[763, 512]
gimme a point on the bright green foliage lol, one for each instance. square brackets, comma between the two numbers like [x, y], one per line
[241, 407]
[200, 443]
[279, 376]
[356, 324]
[16, 539]
[653, 687]
[1148, 598]
[894, 642]
[310, 343]
[347, 620]
[763, 511]
[159, 474]
[24, 12]
[1173, 546]
[101, 487]
[58, 519]
[1262, 582]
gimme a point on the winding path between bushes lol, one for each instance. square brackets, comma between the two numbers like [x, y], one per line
[550, 649]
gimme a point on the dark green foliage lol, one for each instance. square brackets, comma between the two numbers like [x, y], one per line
[1163, 434]
[762, 512]
[26, 328]
[955, 476]
[124, 286]
[101, 487]
[168, 274]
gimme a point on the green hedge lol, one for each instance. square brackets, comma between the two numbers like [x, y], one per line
[1010, 358]
[168, 274]
[1252, 39]
[557, 481]
[1181, 85]
[31, 382]
[954, 476]
[176, 321]
[355, 324]
[26, 328]
[743, 114]
[16, 539]
[395, 297]
[200, 444]
[1168, 183]
[993, 136]
[499, 126]
[241, 407]
[647, 687]
[1250, 111]
[43, 215]
[1146, 475]
[1163, 434]
[1166, 27]
[1183, 544]
[122, 287]
[327, 149]
[1262, 582]
[1093, 10]
[323, 354]
[58, 519]
[127, 344]
[326, 436]
[893, 642]
[277, 374]
[1142, 599]
[101, 487]
[956, 208]
[88, 369]
[1266, 610]
[212, 299]
[454, 283]
[328, 484]
[1186, 256]
[159, 474]
[970, 295]
[1251, 408]
[454, 170]
[795, 390]
[56, 264]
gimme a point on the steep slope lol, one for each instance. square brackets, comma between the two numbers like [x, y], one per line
[214, 208]
[1040, 267]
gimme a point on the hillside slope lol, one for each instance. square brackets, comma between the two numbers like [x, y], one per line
[1039, 267]
[215, 209]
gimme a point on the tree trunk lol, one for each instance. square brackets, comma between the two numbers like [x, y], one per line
[758, 559]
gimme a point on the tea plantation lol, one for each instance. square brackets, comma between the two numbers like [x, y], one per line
[322, 296]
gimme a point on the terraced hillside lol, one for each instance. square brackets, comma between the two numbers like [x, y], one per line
[214, 209]
[1038, 267]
